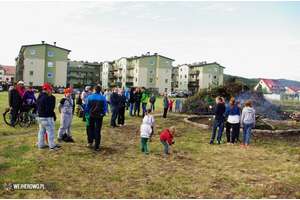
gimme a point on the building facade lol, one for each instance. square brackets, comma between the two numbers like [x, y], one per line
[7, 73]
[192, 77]
[270, 85]
[42, 63]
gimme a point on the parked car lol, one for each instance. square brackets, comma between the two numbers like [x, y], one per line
[76, 91]
[35, 90]
[181, 95]
[1, 88]
[172, 94]
[61, 90]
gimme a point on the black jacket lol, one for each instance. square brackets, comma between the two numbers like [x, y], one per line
[131, 97]
[79, 101]
[45, 105]
[15, 100]
[122, 102]
[138, 97]
[114, 99]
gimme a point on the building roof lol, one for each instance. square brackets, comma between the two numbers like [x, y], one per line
[198, 64]
[273, 85]
[8, 70]
[24, 46]
[293, 88]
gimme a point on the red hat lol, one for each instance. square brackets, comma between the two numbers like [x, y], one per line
[47, 86]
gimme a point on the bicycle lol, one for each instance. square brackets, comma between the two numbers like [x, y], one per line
[24, 117]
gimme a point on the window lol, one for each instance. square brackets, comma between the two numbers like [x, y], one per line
[151, 71]
[215, 77]
[166, 80]
[167, 72]
[209, 69]
[136, 70]
[166, 89]
[31, 83]
[181, 69]
[50, 64]
[49, 75]
[215, 69]
[30, 73]
[50, 53]
[0, 78]
[135, 79]
[167, 63]
[31, 62]
[151, 80]
[180, 83]
[32, 51]
[0, 73]
[184, 76]
[151, 62]
[180, 76]
[209, 76]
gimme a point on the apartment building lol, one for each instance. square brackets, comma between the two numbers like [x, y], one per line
[192, 77]
[151, 71]
[42, 63]
[84, 73]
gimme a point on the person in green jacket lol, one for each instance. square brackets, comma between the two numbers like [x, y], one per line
[144, 101]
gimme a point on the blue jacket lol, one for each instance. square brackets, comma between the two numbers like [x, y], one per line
[127, 93]
[219, 111]
[114, 100]
[45, 105]
[234, 111]
[96, 105]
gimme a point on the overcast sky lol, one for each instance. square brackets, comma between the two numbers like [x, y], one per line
[250, 39]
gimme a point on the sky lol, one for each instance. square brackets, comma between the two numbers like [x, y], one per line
[252, 39]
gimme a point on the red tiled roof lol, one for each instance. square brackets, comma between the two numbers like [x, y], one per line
[270, 84]
[9, 70]
[294, 88]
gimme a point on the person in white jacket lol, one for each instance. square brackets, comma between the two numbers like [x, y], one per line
[247, 122]
[145, 134]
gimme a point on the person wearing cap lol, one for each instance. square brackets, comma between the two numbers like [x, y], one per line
[45, 107]
[15, 104]
[73, 96]
[65, 108]
[21, 88]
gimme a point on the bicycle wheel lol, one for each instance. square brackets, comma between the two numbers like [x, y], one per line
[24, 119]
[33, 119]
[7, 117]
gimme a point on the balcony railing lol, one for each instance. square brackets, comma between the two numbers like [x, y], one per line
[193, 85]
[112, 69]
[115, 84]
[130, 66]
[129, 75]
[193, 80]
[118, 74]
[194, 72]
[88, 76]
[112, 76]
[129, 83]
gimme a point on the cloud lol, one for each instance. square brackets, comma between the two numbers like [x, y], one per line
[220, 6]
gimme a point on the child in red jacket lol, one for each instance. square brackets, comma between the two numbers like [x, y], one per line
[166, 137]
[171, 105]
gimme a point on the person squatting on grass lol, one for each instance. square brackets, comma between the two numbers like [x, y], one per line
[96, 108]
[247, 122]
[166, 105]
[45, 108]
[145, 134]
[167, 137]
[65, 108]
[233, 112]
[219, 120]
[151, 122]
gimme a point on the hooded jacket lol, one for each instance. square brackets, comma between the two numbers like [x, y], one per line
[45, 105]
[127, 93]
[166, 136]
[144, 97]
[145, 129]
[248, 116]
[65, 105]
[152, 99]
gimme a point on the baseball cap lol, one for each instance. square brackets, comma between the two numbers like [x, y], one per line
[20, 82]
[47, 86]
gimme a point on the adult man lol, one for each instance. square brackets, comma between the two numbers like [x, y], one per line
[114, 100]
[96, 109]
[21, 88]
[15, 104]
[144, 101]
[73, 96]
[122, 106]
[45, 107]
[84, 96]
[107, 94]
[127, 95]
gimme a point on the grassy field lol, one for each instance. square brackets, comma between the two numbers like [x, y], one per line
[268, 169]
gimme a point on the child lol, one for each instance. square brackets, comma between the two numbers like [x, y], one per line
[233, 112]
[166, 105]
[152, 101]
[247, 122]
[150, 122]
[145, 134]
[167, 135]
[171, 105]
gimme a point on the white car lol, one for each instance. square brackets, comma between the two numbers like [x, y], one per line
[172, 94]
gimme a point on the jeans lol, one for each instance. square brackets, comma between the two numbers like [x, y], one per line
[247, 132]
[46, 124]
[152, 107]
[114, 115]
[14, 113]
[234, 130]
[95, 131]
[130, 109]
[108, 103]
[83, 118]
[165, 143]
[127, 105]
[144, 145]
[121, 116]
[144, 105]
[220, 124]
[165, 113]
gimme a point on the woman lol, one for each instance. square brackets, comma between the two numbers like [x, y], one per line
[131, 100]
[233, 112]
[166, 105]
[29, 99]
[137, 98]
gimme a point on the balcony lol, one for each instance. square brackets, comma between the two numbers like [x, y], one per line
[112, 76]
[129, 75]
[112, 69]
[193, 80]
[193, 85]
[194, 72]
[130, 66]
[129, 83]
[119, 67]
[115, 84]
[88, 77]
[118, 74]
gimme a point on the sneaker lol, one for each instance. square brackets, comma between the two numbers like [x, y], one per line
[231, 143]
[44, 147]
[228, 143]
[97, 149]
[120, 125]
[218, 142]
[112, 126]
[124, 124]
[147, 153]
[167, 153]
[247, 145]
[89, 145]
[211, 142]
[243, 144]
[60, 140]
[55, 148]
[222, 142]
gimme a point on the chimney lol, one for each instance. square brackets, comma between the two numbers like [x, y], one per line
[54, 43]
[43, 42]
